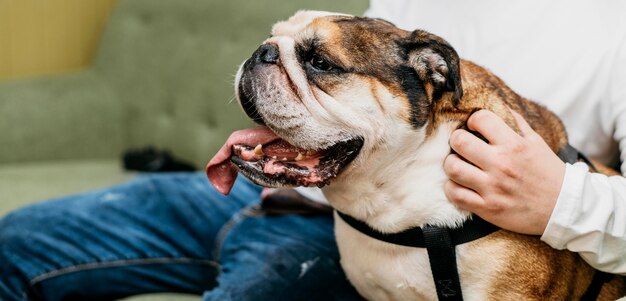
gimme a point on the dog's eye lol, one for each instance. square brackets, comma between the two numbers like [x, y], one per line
[320, 63]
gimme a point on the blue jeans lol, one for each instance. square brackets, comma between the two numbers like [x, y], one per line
[168, 233]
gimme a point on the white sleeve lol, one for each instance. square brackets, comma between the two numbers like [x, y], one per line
[590, 218]
[590, 212]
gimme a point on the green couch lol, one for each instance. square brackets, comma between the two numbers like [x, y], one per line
[162, 76]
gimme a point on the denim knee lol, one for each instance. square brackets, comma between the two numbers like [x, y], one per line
[14, 248]
[16, 230]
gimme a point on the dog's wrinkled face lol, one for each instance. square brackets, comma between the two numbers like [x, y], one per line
[335, 88]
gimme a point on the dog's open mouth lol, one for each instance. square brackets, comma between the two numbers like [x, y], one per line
[279, 163]
[267, 160]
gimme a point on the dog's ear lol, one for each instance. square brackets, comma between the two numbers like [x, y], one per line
[436, 64]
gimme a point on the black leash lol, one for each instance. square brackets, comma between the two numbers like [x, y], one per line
[441, 243]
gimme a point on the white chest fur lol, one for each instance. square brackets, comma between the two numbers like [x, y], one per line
[414, 197]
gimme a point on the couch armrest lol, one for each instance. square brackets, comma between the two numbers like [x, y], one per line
[70, 116]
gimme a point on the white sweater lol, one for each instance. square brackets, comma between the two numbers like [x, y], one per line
[571, 57]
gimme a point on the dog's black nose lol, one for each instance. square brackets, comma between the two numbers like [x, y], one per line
[267, 53]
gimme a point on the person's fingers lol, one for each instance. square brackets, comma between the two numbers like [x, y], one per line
[523, 125]
[491, 126]
[463, 197]
[470, 147]
[464, 173]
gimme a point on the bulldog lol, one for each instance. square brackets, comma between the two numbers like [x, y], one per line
[365, 110]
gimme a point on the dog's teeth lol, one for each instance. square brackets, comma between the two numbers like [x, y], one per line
[258, 150]
[274, 157]
[299, 157]
[284, 159]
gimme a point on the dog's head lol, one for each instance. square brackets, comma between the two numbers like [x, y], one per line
[334, 94]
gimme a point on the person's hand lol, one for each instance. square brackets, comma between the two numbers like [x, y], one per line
[515, 179]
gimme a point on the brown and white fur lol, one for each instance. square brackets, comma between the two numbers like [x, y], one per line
[404, 93]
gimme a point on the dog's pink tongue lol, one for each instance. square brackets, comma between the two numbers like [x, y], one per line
[220, 170]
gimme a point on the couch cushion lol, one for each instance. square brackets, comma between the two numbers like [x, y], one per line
[75, 116]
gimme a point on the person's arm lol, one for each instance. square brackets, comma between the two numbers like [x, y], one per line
[590, 219]
[590, 214]
[519, 184]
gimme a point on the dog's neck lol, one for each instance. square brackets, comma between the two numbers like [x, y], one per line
[405, 190]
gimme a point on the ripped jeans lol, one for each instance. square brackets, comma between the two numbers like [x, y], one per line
[168, 233]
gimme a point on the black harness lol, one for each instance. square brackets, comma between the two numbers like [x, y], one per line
[440, 244]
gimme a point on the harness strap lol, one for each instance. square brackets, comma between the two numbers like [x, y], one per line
[471, 229]
[593, 291]
[440, 244]
[571, 155]
[442, 257]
